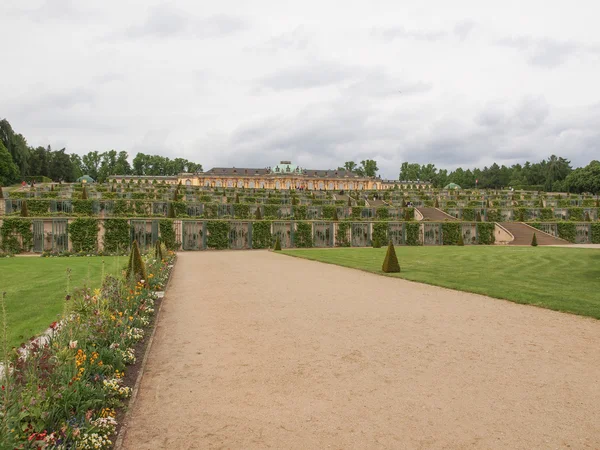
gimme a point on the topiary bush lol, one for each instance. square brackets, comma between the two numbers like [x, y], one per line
[24, 209]
[277, 245]
[534, 240]
[136, 270]
[390, 263]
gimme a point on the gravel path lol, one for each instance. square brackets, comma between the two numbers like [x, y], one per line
[258, 350]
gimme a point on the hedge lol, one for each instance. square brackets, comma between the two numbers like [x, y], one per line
[567, 231]
[83, 233]
[218, 235]
[13, 229]
[116, 235]
[261, 234]
[167, 234]
[412, 234]
[486, 233]
[303, 235]
[342, 236]
[380, 233]
[595, 234]
[451, 232]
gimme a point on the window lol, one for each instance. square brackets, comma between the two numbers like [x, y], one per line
[251, 185]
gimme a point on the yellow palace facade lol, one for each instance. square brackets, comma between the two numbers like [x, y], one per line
[284, 175]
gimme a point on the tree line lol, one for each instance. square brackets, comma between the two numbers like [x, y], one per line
[554, 174]
[19, 161]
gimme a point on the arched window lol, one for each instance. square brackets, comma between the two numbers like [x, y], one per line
[219, 184]
[330, 186]
[251, 185]
[321, 185]
[240, 184]
[207, 183]
[288, 185]
[351, 185]
[262, 184]
[277, 185]
[188, 182]
[360, 186]
[311, 185]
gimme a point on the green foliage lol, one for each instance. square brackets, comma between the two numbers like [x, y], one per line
[390, 263]
[241, 211]
[382, 213]
[24, 209]
[412, 233]
[257, 214]
[261, 234]
[328, 211]
[546, 214]
[136, 269]
[478, 216]
[595, 233]
[303, 235]
[83, 233]
[486, 233]
[451, 233]
[380, 233]
[84, 194]
[121, 208]
[167, 234]
[567, 231]
[1, 193]
[335, 217]
[217, 235]
[461, 241]
[83, 207]
[171, 211]
[277, 244]
[116, 235]
[468, 214]
[16, 235]
[534, 242]
[211, 211]
[409, 214]
[300, 212]
[38, 208]
[576, 214]
[356, 212]
[271, 211]
[158, 250]
[342, 236]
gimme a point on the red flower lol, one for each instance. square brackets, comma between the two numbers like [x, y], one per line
[53, 325]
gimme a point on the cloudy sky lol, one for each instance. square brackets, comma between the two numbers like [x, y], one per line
[247, 83]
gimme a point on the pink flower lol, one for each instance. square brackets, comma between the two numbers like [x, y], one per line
[72, 344]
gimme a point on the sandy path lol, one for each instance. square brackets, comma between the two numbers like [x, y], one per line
[259, 350]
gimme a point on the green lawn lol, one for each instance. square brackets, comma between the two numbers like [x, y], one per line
[35, 289]
[563, 279]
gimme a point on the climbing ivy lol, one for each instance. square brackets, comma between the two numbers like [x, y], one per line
[303, 235]
[567, 231]
[468, 215]
[167, 234]
[271, 212]
[595, 234]
[84, 234]
[116, 235]
[300, 212]
[211, 210]
[485, 233]
[451, 232]
[380, 233]
[83, 207]
[328, 211]
[342, 236]
[218, 235]
[576, 214]
[38, 208]
[412, 233]
[261, 234]
[356, 212]
[16, 235]
[241, 211]
[382, 213]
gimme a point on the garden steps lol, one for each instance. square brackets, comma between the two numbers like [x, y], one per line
[523, 234]
[434, 214]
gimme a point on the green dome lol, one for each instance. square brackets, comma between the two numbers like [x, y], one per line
[452, 186]
[85, 179]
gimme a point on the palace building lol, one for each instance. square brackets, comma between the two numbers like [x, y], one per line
[284, 175]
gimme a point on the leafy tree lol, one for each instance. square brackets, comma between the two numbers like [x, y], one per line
[9, 172]
[61, 168]
[91, 164]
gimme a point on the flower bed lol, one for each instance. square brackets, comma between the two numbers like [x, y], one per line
[67, 391]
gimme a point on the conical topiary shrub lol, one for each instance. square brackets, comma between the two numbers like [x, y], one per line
[437, 203]
[335, 215]
[170, 211]
[534, 241]
[349, 202]
[136, 270]
[390, 263]
[237, 197]
[258, 215]
[461, 241]
[158, 253]
[277, 244]
[478, 217]
[1, 194]
[587, 217]
[84, 194]
[24, 209]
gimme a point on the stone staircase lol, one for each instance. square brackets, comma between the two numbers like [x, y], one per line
[524, 234]
[435, 215]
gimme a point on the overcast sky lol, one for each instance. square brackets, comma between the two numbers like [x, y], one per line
[248, 83]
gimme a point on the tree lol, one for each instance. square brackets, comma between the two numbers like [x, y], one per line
[136, 270]
[277, 244]
[534, 241]
[9, 172]
[16, 146]
[368, 167]
[24, 209]
[91, 164]
[61, 168]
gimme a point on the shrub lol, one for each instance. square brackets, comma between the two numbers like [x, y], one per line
[258, 215]
[167, 234]
[303, 235]
[485, 233]
[478, 217]
[277, 244]
[461, 241]
[390, 263]
[437, 203]
[451, 231]
[218, 235]
[84, 194]
[171, 211]
[342, 236]
[1, 193]
[84, 234]
[412, 233]
[261, 235]
[11, 230]
[116, 235]
[380, 233]
[376, 243]
[158, 252]
[136, 270]
[534, 241]
[335, 215]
